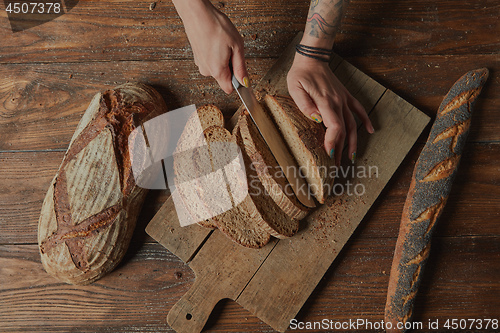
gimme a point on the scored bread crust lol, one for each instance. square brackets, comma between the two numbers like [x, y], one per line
[430, 186]
[267, 169]
[305, 138]
[90, 210]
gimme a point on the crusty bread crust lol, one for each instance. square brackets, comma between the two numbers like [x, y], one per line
[274, 220]
[243, 223]
[90, 210]
[431, 183]
[305, 138]
[267, 169]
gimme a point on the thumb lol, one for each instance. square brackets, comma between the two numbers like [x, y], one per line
[240, 67]
[305, 103]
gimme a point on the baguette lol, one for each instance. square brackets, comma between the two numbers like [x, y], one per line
[90, 210]
[431, 183]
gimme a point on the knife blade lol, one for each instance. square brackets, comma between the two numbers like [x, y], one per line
[276, 144]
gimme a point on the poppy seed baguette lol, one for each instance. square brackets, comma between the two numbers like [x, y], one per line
[431, 183]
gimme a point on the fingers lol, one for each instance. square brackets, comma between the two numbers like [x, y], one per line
[223, 77]
[335, 129]
[359, 110]
[304, 102]
[352, 135]
[239, 66]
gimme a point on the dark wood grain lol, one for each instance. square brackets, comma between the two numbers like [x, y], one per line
[420, 27]
[471, 210]
[129, 30]
[36, 98]
[460, 282]
[417, 49]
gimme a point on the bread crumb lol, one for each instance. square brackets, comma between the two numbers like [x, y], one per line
[152, 6]
[178, 275]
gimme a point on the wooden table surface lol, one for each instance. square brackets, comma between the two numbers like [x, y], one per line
[418, 49]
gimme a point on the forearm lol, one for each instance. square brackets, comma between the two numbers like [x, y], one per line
[189, 9]
[323, 21]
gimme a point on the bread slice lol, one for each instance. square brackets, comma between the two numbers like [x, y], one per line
[191, 137]
[305, 138]
[242, 223]
[267, 169]
[184, 163]
[276, 221]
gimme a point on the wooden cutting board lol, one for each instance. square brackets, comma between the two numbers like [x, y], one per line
[274, 282]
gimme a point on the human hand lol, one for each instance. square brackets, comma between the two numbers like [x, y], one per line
[215, 42]
[322, 98]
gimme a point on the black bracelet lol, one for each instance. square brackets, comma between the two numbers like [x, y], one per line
[314, 52]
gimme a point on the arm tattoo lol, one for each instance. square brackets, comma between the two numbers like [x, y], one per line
[318, 22]
[324, 18]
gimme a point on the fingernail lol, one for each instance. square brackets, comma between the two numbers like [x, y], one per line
[332, 153]
[246, 82]
[353, 159]
[372, 130]
[316, 117]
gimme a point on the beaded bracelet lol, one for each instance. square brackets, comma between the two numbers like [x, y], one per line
[314, 52]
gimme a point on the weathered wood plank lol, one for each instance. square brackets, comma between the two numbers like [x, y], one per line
[461, 281]
[40, 105]
[219, 275]
[136, 294]
[472, 208]
[165, 228]
[424, 80]
[420, 27]
[129, 30]
[310, 253]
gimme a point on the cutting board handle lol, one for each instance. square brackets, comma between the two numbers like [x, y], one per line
[191, 312]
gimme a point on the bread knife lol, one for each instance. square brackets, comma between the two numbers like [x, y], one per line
[276, 144]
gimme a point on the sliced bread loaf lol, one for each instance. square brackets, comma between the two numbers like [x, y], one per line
[186, 168]
[242, 223]
[267, 169]
[191, 137]
[276, 222]
[305, 138]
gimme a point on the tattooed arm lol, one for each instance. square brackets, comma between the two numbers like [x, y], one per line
[214, 40]
[316, 90]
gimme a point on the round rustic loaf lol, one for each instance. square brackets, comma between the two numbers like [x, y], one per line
[90, 210]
